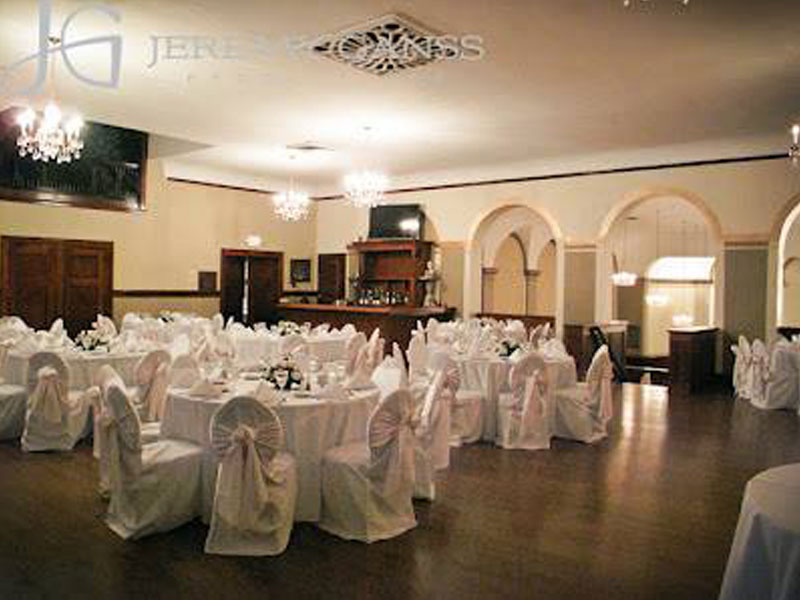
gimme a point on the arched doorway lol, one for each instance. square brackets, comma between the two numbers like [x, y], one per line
[514, 264]
[673, 245]
[788, 267]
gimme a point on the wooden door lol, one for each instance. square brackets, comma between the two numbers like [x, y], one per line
[231, 286]
[87, 283]
[265, 285]
[331, 273]
[32, 280]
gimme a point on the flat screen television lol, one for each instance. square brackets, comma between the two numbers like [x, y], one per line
[396, 221]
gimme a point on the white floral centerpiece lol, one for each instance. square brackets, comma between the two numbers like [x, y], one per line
[283, 374]
[506, 347]
[286, 328]
[92, 340]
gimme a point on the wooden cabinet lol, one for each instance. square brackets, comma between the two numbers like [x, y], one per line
[44, 279]
[251, 284]
[394, 266]
[692, 354]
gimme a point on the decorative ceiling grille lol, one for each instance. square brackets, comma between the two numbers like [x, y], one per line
[389, 44]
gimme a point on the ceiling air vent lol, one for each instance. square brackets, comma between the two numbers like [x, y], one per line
[389, 44]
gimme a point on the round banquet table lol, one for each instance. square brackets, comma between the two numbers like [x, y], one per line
[82, 367]
[311, 426]
[764, 562]
[489, 375]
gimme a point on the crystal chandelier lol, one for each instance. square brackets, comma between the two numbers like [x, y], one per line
[49, 135]
[794, 149]
[292, 205]
[365, 189]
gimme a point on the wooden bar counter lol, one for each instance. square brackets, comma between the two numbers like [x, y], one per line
[395, 322]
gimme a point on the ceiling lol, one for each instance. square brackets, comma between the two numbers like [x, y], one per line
[563, 85]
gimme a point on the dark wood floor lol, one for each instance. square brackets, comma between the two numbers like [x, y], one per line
[648, 513]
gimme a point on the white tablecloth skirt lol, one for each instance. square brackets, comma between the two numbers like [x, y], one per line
[82, 367]
[311, 428]
[764, 563]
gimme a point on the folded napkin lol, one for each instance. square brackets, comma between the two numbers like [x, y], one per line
[267, 394]
[27, 345]
[204, 389]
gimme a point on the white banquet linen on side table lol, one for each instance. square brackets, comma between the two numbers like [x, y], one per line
[311, 426]
[764, 562]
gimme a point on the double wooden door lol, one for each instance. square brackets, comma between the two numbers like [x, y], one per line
[251, 284]
[331, 271]
[44, 279]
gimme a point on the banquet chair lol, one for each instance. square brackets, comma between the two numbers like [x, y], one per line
[389, 377]
[783, 386]
[535, 336]
[376, 345]
[417, 358]
[429, 435]
[352, 347]
[256, 487]
[582, 411]
[154, 487]
[746, 372]
[12, 402]
[466, 405]
[759, 374]
[367, 486]
[55, 418]
[400, 361]
[152, 379]
[184, 372]
[150, 432]
[524, 420]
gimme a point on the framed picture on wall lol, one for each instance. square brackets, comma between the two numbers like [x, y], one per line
[300, 270]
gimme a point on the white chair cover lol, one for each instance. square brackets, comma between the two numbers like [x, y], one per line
[584, 410]
[367, 488]
[152, 379]
[352, 348]
[361, 377]
[256, 484]
[155, 487]
[465, 406]
[54, 418]
[184, 371]
[783, 387]
[759, 374]
[12, 401]
[747, 367]
[388, 377]
[427, 426]
[417, 357]
[524, 416]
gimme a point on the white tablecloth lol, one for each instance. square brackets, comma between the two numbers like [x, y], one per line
[82, 367]
[312, 427]
[490, 376]
[764, 563]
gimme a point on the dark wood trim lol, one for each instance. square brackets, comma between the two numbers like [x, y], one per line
[575, 174]
[222, 186]
[164, 294]
[40, 197]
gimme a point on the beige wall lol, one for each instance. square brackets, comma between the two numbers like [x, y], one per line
[509, 280]
[746, 281]
[545, 301]
[579, 286]
[204, 307]
[684, 298]
[180, 233]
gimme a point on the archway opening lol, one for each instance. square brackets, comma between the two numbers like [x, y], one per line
[789, 271]
[508, 291]
[672, 249]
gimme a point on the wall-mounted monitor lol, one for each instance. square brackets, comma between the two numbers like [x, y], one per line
[405, 221]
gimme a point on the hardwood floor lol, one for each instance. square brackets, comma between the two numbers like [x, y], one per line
[648, 513]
